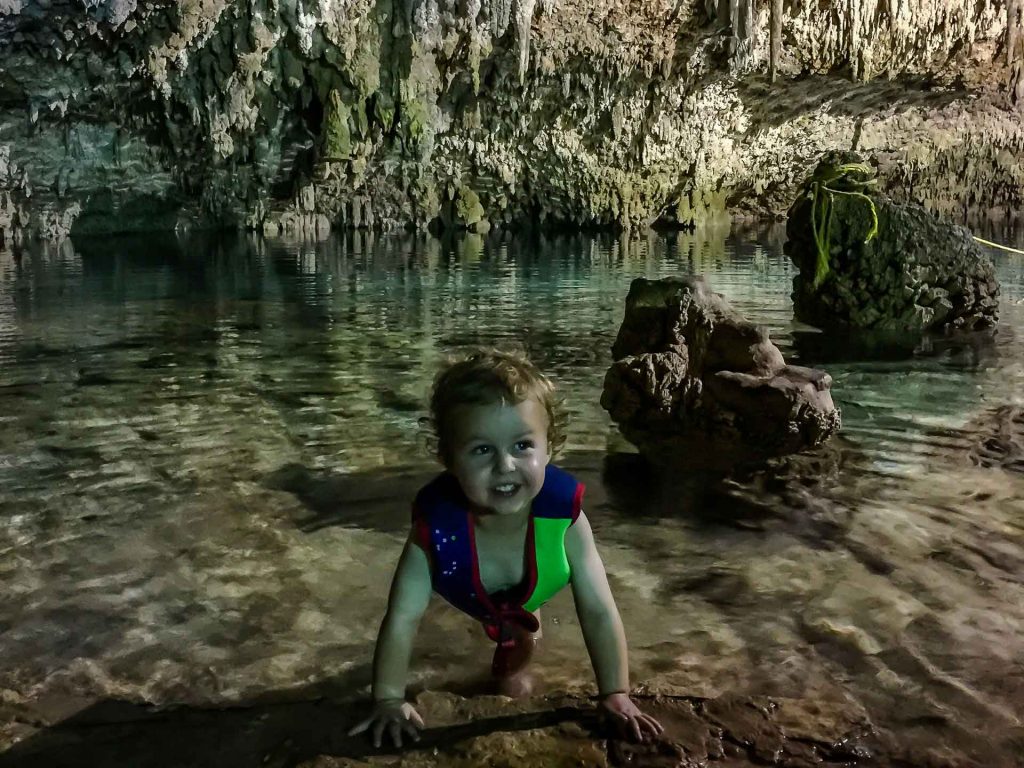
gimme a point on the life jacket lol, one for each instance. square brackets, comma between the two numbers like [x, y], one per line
[444, 529]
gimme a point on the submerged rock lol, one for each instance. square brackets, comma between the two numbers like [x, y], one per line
[867, 262]
[694, 382]
[1000, 439]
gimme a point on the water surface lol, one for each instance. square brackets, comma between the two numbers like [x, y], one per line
[208, 447]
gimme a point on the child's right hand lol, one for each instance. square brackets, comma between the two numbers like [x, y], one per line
[627, 718]
[395, 715]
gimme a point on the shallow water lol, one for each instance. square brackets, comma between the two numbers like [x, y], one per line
[208, 446]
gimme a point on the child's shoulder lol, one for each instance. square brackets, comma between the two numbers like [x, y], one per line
[439, 483]
[441, 492]
[560, 497]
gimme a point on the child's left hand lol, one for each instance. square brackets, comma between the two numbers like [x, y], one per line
[627, 718]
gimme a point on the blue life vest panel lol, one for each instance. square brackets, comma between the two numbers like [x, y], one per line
[444, 522]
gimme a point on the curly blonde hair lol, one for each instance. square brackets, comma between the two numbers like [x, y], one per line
[487, 376]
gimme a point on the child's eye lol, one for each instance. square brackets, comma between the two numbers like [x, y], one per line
[524, 445]
[480, 450]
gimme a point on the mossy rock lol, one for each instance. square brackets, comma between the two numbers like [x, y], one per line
[889, 267]
[415, 121]
[468, 209]
[336, 133]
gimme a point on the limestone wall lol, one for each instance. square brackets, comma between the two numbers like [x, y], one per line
[308, 114]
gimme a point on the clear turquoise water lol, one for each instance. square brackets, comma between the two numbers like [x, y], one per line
[207, 449]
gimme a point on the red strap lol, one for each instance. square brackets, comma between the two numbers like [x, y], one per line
[577, 502]
[523, 618]
[421, 531]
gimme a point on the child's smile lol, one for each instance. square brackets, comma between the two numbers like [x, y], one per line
[498, 454]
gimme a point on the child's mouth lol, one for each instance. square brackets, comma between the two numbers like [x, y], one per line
[506, 489]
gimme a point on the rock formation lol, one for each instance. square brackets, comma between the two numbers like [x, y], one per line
[492, 731]
[882, 265]
[309, 114]
[696, 385]
[1000, 439]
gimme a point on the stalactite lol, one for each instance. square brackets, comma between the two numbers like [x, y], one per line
[856, 54]
[745, 33]
[776, 39]
[523, 12]
[1012, 31]
[499, 12]
[717, 10]
[1015, 49]
[739, 15]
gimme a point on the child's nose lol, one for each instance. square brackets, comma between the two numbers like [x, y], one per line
[505, 462]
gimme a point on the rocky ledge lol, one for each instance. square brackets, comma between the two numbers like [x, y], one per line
[492, 731]
[305, 115]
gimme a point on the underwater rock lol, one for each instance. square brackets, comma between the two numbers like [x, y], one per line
[867, 262]
[693, 382]
[1001, 439]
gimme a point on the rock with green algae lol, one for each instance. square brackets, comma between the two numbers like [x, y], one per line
[337, 137]
[916, 273]
[465, 211]
[467, 206]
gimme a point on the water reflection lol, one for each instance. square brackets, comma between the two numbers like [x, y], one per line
[208, 446]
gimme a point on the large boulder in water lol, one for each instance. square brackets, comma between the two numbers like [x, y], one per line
[882, 265]
[693, 383]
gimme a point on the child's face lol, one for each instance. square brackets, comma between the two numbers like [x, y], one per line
[498, 453]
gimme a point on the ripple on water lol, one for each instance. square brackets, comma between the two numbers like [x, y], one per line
[207, 450]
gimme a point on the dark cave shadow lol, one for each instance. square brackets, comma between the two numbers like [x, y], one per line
[274, 724]
[790, 495]
[792, 98]
[379, 501]
[620, 486]
[962, 349]
[281, 734]
[648, 492]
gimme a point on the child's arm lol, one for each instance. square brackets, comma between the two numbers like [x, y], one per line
[410, 594]
[602, 631]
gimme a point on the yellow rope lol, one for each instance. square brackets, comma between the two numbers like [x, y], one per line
[997, 245]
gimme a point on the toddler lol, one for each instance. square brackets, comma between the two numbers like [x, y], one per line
[497, 534]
